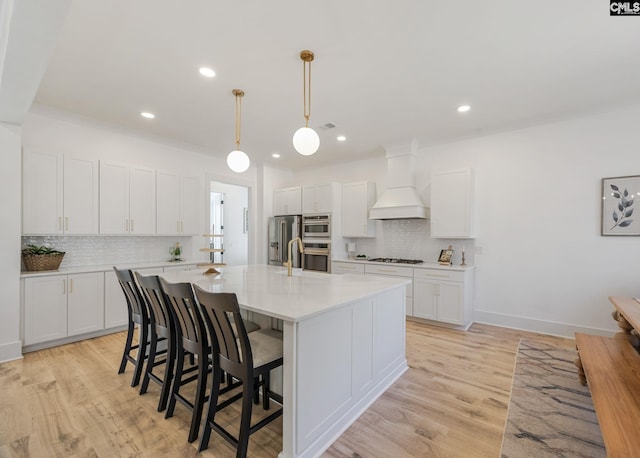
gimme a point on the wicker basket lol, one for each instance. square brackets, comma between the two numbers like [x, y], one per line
[35, 262]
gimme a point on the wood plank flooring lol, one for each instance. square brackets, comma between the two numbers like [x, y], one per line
[69, 401]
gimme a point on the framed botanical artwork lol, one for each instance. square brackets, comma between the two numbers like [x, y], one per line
[620, 199]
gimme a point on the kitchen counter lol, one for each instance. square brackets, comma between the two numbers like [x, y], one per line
[343, 342]
[107, 268]
[268, 290]
[424, 265]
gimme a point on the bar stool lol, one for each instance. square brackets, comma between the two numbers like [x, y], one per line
[190, 339]
[162, 329]
[248, 358]
[138, 314]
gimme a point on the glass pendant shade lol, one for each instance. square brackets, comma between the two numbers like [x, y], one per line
[306, 141]
[238, 161]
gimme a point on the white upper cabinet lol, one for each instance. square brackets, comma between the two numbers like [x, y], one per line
[287, 201]
[60, 194]
[191, 208]
[452, 204]
[127, 199]
[80, 196]
[179, 204]
[357, 199]
[142, 200]
[320, 198]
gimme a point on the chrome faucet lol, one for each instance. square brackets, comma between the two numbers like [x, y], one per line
[289, 263]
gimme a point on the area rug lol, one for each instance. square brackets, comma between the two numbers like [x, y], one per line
[550, 413]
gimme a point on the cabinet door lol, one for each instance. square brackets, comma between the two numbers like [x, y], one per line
[309, 199]
[324, 198]
[338, 267]
[451, 302]
[115, 304]
[42, 193]
[425, 299]
[114, 198]
[168, 203]
[279, 202]
[80, 196]
[45, 308]
[142, 201]
[287, 201]
[85, 303]
[191, 208]
[452, 212]
[357, 199]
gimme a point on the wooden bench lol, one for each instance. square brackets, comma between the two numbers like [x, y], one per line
[611, 366]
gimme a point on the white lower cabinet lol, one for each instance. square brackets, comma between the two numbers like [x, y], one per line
[395, 271]
[443, 295]
[59, 306]
[115, 303]
[340, 267]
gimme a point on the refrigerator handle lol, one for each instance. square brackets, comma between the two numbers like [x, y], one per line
[283, 240]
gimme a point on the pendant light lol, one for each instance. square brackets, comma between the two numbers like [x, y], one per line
[306, 140]
[237, 160]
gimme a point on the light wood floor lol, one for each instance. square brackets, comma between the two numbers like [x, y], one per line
[69, 401]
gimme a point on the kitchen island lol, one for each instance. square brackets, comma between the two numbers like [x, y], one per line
[344, 343]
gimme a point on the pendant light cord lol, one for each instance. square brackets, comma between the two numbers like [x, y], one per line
[306, 84]
[238, 118]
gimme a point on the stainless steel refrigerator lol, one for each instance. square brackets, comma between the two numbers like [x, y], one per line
[281, 230]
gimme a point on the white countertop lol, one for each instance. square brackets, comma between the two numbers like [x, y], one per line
[268, 290]
[424, 265]
[106, 268]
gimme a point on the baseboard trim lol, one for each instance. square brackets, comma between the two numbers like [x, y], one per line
[534, 325]
[65, 340]
[10, 351]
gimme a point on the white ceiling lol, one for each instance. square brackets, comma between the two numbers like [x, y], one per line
[385, 72]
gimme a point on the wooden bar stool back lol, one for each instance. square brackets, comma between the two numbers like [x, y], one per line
[191, 339]
[162, 328]
[247, 357]
[138, 315]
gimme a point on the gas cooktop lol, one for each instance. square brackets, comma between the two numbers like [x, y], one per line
[397, 261]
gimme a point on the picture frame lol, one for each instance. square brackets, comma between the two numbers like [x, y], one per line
[445, 257]
[620, 199]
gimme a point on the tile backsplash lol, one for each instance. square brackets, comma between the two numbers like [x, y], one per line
[411, 239]
[105, 250]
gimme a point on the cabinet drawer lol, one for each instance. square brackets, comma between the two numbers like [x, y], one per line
[388, 270]
[438, 274]
[347, 268]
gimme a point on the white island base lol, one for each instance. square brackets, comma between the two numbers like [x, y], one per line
[342, 361]
[344, 344]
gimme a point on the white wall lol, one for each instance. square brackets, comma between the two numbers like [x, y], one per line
[544, 265]
[10, 209]
[538, 202]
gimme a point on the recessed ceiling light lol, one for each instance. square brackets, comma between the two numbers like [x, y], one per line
[276, 155]
[464, 108]
[146, 114]
[205, 71]
[341, 138]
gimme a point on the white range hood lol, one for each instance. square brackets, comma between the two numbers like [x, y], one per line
[400, 200]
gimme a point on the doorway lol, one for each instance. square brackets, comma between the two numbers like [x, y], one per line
[229, 210]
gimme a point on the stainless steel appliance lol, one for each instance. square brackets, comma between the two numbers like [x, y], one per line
[316, 255]
[316, 226]
[397, 261]
[281, 230]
